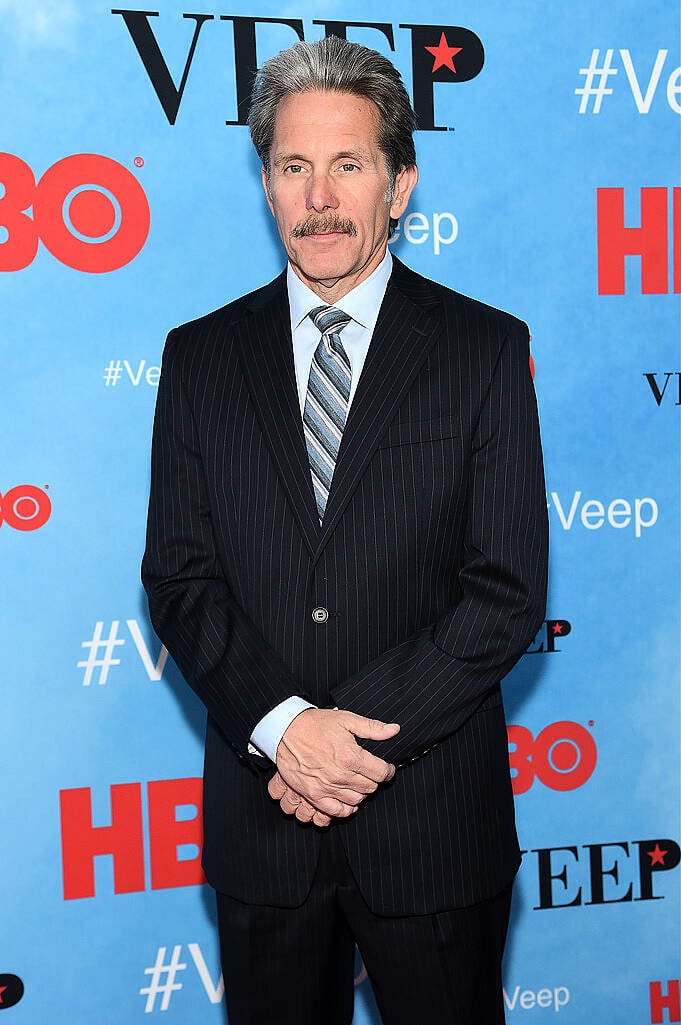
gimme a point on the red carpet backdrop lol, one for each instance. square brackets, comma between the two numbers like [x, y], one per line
[130, 201]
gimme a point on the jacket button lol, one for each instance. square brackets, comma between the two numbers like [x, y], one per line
[320, 615]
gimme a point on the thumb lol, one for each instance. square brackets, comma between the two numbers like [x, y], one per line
[369, 729]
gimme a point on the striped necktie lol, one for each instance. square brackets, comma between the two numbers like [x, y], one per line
[326, 402]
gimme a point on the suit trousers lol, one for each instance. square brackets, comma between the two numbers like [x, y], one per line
[295, 966]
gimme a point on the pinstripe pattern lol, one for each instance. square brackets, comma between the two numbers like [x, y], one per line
[326, 402]
[442, 968]
[431, 560]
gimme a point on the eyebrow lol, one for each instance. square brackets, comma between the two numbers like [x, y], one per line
[353, 154]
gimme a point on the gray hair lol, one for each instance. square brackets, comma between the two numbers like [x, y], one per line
[335, 65]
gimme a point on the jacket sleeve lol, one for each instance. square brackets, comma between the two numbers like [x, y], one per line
[435, 680]
[219, 651]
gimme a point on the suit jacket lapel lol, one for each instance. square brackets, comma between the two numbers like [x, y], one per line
[406, 329]
[264, 334]
[407, 326]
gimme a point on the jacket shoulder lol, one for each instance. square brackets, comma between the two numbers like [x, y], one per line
[213, 328]
[457, 306]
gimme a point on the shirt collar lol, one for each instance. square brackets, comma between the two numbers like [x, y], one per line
[362, 303]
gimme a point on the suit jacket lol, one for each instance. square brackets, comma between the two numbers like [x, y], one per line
[431, 562]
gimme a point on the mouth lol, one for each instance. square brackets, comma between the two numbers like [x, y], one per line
[321, 235]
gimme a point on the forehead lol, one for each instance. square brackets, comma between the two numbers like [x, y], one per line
[326, 118]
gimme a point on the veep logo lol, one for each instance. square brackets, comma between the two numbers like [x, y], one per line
[25, 507]
[550, 632]
[163, 977]
[554, 997]
[619, 514]
[604, 873]
[417, 229]
[659, 387]
[439, 53]
[650, 241]
[89, 211]
[562, 756]
[600, 81]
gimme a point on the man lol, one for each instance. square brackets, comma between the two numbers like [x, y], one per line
[346, 552]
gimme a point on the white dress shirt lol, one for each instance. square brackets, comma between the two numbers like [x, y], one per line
[362, 305]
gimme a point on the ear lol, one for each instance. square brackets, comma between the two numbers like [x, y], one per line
[405, 181]
[263, 175]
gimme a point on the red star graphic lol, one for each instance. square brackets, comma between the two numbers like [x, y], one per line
[444, 54]
[2, 990]
[656, 855]
[557, 628]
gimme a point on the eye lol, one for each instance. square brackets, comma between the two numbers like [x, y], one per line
[349, 167]
[293, 168]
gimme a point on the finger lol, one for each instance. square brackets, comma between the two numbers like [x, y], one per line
[321, 789]
[369, 729]
[289, 802]
[305, 812]
[335, 808]
[346, 795]
[362, 764]
[336, 781]
[325, 805]
[320, 819]
[276, 787]
[350, 780]
[346, 784]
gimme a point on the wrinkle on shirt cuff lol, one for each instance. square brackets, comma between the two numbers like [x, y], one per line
[272, 727]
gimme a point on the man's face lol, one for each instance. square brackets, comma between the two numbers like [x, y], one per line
[329, 189]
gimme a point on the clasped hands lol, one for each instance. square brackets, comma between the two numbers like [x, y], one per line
[322, 772]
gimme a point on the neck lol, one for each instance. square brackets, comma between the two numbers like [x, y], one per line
[331, 290]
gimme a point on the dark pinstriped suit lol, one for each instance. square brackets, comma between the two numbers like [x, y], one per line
[431, 561]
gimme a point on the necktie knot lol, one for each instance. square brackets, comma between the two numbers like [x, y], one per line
[329, 319]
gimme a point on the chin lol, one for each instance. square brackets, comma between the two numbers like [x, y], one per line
[318, 271]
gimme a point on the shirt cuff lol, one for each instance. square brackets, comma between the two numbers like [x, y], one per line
[272, 727]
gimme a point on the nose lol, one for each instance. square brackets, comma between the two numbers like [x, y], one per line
[320, 194]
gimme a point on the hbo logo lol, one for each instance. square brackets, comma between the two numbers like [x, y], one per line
[25, 507]
[562, 757]
[88, 210]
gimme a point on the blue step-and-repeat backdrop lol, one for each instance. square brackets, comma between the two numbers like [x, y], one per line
[130, 201]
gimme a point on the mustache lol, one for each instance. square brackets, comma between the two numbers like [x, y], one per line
[316, 225]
